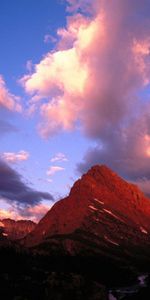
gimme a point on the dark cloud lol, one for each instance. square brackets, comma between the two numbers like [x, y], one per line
[123, 149]
[15, 191]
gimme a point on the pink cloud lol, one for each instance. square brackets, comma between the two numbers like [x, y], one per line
[54, 169]
[64, 71]
[85, 74]
[34, 213]
[12, 157]
[9, 214]
[96, 77]
[8, 100]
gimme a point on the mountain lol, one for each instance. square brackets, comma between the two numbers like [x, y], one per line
[93, 244]
[14, 230]
[103, 215]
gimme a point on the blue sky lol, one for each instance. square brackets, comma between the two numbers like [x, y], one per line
[23, 25]
[23, 28]
[58, 60]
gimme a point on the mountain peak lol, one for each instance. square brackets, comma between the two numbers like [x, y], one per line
[100, 168]
[98, 175]
[99, 203]
[103, 178]
[98, 171]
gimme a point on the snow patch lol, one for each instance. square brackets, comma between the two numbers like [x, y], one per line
[4, 234]
[92, 207]
[112, 214]
[110, 241]
[111, 297]
[96, 219]
[142, 280]
[143, 230]
[99, 201]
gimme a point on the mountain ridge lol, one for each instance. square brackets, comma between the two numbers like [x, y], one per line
[15, 230]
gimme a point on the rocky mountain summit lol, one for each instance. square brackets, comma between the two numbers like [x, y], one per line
[103, 215]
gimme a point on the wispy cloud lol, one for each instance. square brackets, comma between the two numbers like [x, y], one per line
[6, 127]
[54, 169]
[49, 180]
[35, 213]
[75, 5]
[29, 66]
[59, 157]
[48, 38]
[13, 157]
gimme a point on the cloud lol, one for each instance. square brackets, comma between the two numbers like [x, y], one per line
[125, 150]
[98, 77]
[6, 127]
[35, 213]
[59, 157]
[29, 66]
[15, 191]
[59, 77]
[8, 100]
[75, 5]
[49, 180]
[80, 82]
[144, 185]
[9, 214]
[48, 38]
[12, 157]
[54, 169]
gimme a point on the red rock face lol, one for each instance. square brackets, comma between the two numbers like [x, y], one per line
[102, 212]
[14, 230]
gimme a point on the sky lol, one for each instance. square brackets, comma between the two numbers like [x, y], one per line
[74, 92]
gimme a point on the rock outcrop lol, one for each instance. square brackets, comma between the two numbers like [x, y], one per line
[15, 230]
